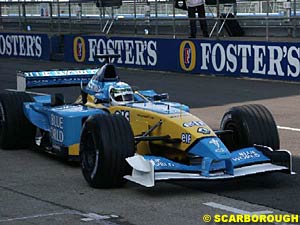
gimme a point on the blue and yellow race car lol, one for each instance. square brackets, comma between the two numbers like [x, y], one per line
[121, 134]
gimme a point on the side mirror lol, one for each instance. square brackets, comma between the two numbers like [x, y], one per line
[160, 97]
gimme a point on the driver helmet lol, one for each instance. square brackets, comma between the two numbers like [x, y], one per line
[120, 94]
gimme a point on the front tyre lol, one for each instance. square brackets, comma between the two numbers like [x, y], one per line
[251, 124]
[106, 141]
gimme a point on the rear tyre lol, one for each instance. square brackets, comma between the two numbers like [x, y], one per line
[16, 131]
[251, 124]
[106, 141]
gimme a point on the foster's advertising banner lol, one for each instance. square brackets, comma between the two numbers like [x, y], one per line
[267, 60]
[36, 46]
[135, 52]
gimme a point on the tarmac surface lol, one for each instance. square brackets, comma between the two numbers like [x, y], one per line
[36, 188]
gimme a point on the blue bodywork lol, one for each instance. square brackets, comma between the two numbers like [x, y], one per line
[214, 158]
[64, 122]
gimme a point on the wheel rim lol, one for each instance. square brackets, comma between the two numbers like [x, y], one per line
[90, 155]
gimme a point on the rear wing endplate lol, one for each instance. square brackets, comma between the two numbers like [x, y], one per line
[26, 80]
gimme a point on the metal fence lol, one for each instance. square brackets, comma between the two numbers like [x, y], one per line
[267, 18]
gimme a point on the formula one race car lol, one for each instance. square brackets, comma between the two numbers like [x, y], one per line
[120, 134]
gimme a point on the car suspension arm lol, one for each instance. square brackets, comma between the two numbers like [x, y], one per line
[138, 139]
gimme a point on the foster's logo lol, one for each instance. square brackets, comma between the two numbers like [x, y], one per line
[79, 49]
[187, 55]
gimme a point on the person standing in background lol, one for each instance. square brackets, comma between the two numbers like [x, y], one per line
[78, 10]
[197, 6]
[147, 10]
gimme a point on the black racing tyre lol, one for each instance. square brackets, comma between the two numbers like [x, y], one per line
[251, 124]
[16, 131]
[106, 141]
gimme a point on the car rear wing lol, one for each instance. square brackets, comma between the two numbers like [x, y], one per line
[26, 80]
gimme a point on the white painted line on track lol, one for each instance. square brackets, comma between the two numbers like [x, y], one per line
[234, 210]
[87, 217]
[288, 128]
[94, 216]
[36, 216]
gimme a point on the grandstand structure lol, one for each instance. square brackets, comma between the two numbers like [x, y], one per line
[263, 18]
